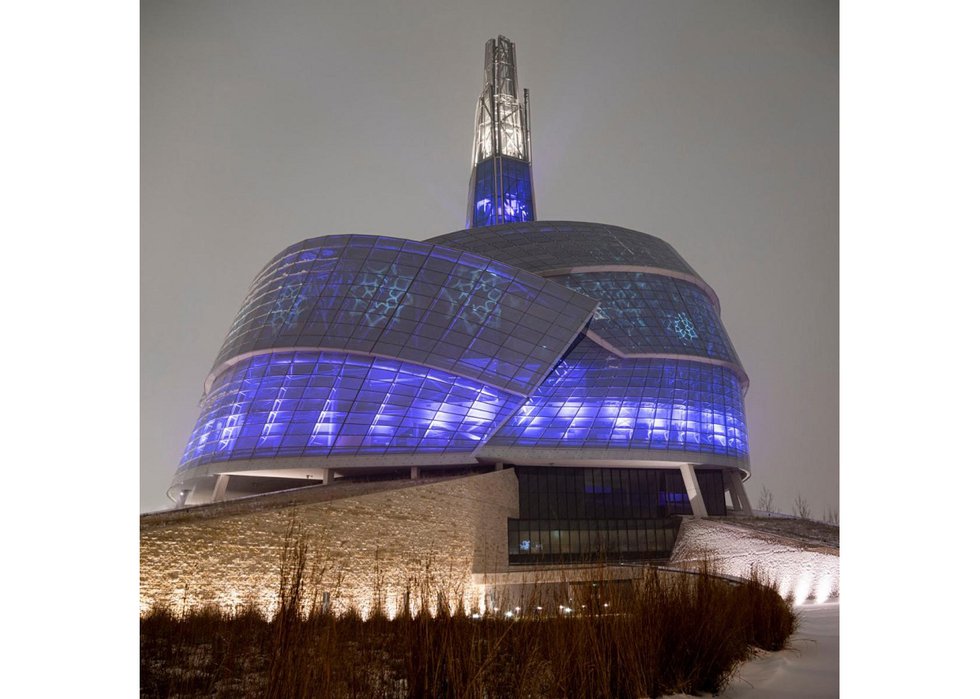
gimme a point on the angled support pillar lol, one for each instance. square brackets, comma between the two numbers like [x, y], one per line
[220, 486]
[693, 491]
[202, 492]
[740, 500]
[328, 476]
[415, 473]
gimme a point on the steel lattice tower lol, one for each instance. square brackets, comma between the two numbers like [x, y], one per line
[501, 189]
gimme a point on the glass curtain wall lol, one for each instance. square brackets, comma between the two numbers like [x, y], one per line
[589, 514]
[502, 192]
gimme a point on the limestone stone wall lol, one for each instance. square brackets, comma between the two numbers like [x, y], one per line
[373, 542]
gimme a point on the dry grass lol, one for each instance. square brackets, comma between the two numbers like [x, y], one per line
[663, 634]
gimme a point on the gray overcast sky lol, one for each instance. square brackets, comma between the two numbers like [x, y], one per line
[712, 125]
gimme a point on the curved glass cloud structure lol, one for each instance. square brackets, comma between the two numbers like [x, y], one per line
[656, 409]
[539, 343]
[453, 310]
[591, 357]
[327, 403]
[655, 378]
[644, 313]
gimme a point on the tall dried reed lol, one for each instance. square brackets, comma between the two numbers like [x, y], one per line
[665, 633]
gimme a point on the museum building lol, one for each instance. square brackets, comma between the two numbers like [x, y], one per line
[589, 358]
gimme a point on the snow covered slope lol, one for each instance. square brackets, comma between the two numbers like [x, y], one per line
[798, 566]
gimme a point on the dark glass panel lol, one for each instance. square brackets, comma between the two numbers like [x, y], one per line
[712, 485]
[586, 512]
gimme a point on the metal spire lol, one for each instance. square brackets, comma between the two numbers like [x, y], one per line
[501, 189]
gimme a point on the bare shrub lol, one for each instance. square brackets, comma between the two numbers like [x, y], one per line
[801, 508]
[766, 500]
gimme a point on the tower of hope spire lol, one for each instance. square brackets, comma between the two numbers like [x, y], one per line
[500, 188]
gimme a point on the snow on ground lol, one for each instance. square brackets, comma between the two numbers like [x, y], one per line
[803, 530]
[796, 567]
[803, 561]
[808, 669]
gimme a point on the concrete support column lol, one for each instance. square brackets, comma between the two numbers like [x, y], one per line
[220, 486]
[693, 491]
[328, 476]
[738, 504]
[415, 473]
[737, 490]
[736, 508]
[499, 466]
[202, 492]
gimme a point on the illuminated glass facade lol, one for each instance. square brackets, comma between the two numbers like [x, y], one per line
[643, 313]
[371, 346]
[323, 403]
[590, 356]
[594, 400]
[418, 302]
[502, 192]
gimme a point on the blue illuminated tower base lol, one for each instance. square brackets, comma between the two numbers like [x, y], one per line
[501, 189]
[501, 192]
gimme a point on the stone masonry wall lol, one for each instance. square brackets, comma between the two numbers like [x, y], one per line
[426, 538]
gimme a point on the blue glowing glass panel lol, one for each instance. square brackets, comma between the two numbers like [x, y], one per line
[594, 399]
[426, 304]
[645, 313]
[323, 403]
[502, 192]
